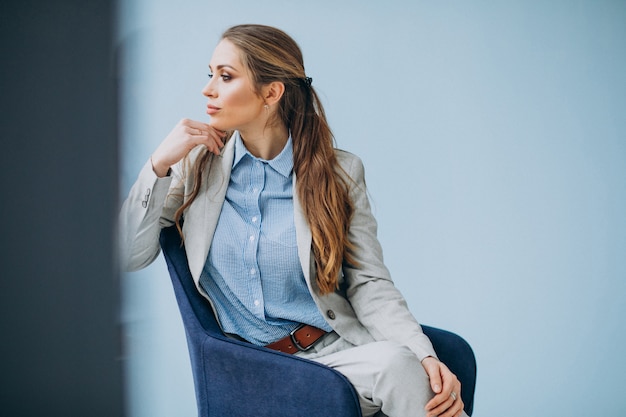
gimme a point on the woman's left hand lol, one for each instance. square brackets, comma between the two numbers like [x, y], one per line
[447, 401]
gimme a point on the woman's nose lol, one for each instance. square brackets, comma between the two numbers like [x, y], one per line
[208, 90]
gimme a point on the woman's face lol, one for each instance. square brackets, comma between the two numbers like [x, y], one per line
[232, 101]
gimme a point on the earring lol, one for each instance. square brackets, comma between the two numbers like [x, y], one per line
[267, 107]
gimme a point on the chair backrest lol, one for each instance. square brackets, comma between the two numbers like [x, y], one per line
[234, 378]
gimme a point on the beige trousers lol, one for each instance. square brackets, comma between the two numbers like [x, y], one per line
[388, 378]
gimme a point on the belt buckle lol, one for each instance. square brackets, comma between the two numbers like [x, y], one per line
[292, 335]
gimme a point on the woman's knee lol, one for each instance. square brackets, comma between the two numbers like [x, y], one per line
[397, 360]
[402, 382]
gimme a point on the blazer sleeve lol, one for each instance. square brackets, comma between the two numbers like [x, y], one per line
[375, 299]
[150, 206]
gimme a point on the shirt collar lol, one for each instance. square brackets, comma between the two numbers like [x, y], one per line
[282, 163]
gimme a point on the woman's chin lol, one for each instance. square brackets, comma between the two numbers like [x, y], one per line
[215, 124]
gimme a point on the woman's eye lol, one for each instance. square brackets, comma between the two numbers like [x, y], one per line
[225, 77]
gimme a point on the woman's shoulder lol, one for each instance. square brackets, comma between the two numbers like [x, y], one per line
[346, 158]
[348, 161]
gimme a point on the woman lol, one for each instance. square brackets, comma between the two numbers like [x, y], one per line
[278, 229]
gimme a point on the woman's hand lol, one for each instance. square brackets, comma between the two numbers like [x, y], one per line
[185, 136]
[447, 388]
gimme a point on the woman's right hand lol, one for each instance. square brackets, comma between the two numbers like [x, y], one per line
[185, 136]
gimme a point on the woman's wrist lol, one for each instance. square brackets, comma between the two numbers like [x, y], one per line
[159, 170]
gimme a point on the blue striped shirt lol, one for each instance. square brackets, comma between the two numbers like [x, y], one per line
[253, 273]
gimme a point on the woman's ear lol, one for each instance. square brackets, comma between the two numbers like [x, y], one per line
[273, 92]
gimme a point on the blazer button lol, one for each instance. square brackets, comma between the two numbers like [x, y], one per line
[144, 203]
[331, 314]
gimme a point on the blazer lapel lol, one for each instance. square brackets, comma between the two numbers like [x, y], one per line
[303, 235]
[202, 217]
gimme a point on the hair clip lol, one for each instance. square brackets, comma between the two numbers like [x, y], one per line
[308, 81]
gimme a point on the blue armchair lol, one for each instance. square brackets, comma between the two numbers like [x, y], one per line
[238, 379]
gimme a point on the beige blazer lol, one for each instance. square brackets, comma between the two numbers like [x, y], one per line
[366, 308]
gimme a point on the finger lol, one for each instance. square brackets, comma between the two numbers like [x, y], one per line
[454, 411]
[456, 408]
[213, 139]
[203, 127]
[450, 384]
[441, 408]
[193, 124]
[451, 407]
[217, 135]
[209, 137]
[196, 131]
[214, 145]
[434, 375]
[439, 403]
[216, 148]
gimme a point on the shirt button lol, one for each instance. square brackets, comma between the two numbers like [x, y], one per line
[251, 238]
[331, 314]
[257, 302]
[254, 219]
[252, 271]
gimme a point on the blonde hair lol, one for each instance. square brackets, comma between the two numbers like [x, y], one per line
[271, 55]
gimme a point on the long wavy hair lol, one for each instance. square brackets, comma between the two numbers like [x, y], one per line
[271, 55]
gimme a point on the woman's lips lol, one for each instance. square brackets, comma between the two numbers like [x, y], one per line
[211, 109]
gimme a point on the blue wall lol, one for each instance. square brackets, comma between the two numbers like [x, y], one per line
[494, 139]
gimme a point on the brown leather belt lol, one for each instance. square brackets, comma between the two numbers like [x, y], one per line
[301, 339]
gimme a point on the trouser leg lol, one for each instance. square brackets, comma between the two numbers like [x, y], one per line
[389, 378]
